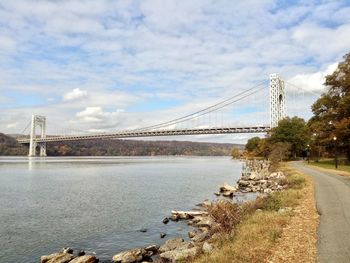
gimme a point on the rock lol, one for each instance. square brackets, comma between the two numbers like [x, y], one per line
[267, 191]
[81, 253]
[191, 234]
[206, 203]
[204, 222]
[228, 194]
[166, 220]
[243, 183]
[57, 258]
[258, 210]
[67, 250]
[153, 248]
[201, 237]
[254, 176]
[143, 230]
[129, 256]
[85, 259]
[179, 255]
[207, 248]
[217, 194]
[46, 258]
[147, 255]
[227, 187]
[171, 244]
[188, 214]
[174, 218]
[162, 234]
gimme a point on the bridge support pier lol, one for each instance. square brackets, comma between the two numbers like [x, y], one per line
[277, 100]
[40, 122]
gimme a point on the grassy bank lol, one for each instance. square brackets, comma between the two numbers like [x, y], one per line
[268, 229]
[329, 164]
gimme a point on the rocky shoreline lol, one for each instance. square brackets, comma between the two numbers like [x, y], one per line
[256, 178]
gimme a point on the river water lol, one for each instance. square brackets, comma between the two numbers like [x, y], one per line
[100, 204]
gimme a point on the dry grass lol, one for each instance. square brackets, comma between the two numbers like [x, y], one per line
[267, 235]
[298, 240]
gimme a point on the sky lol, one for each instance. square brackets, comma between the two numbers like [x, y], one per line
[102, 66]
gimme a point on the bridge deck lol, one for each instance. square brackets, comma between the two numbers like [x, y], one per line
[131, 134]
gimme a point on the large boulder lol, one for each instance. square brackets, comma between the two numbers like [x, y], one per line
[204, 221]
[130, 256]
[200, 237]
[46, 258]
[171, 244]
[178, 255]
[152, 248]
[226, 187]
[60, 257]
[85, 259]
[243, 183]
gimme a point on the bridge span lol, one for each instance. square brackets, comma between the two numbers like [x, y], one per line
[131, 134]
[277, 97]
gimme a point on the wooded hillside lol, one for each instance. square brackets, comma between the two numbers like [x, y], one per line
[9, 146]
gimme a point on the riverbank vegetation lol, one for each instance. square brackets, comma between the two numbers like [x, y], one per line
[256, 231]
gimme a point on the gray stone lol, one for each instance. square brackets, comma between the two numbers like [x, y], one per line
[201, 236]
[85, 259]
[153, 248]
[57, 258]
[179, 255]
[191, 234]
[207, 248]
[171, 244]
[129, 256]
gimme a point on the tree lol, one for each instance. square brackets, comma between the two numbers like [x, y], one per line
[252, 144]
[236, 153]
[280, 151]
[293, 131]
[332, 110]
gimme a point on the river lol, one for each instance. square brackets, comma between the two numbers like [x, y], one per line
[99, 204]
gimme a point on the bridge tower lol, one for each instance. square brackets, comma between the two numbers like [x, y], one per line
[277, 100]
[40, 122]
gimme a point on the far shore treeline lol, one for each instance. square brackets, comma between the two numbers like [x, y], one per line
[10, 147]
[326, 134]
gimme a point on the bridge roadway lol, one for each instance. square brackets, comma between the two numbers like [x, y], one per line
[140, 133]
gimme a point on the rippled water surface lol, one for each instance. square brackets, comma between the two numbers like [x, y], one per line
[99, 204]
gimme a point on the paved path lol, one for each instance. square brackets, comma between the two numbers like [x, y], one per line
[333, 204]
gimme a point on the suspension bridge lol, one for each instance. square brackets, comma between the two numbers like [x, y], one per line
[277, 111]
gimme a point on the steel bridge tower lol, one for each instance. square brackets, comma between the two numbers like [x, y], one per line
[40, 122]
[277, 100]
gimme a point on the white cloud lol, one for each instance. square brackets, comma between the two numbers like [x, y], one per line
[102, 120]
[119, 54]
[312, 82]
[75, 94]
[12, 125]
